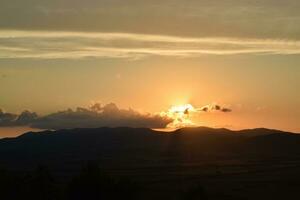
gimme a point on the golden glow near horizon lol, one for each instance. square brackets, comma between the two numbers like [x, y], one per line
[255, 100]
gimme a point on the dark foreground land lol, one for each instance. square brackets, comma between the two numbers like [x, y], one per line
[129, 163]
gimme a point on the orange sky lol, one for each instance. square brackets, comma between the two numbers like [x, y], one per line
[151, 55]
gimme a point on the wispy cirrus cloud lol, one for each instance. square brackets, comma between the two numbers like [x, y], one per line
[76, 45]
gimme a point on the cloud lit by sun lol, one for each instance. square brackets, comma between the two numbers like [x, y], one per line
[180, 115]
[183, 115]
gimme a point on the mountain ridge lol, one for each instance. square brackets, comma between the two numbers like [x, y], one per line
[141, 146]
[251, 132]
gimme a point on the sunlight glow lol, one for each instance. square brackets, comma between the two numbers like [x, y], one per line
[181, 116]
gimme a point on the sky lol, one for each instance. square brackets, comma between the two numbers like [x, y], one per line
[147, 56]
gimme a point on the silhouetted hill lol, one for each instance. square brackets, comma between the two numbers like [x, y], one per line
[253, 164]
[143, 146]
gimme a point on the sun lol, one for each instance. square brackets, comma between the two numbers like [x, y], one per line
[181, 109]
[180, 115]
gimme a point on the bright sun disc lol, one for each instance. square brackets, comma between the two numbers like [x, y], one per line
[181, 108]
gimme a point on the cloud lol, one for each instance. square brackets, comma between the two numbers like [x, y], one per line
[10, 119]
[7, 119]
[108, 115]
[213, 107]
[204, 109]
[76, 45]
[184, 115]
[26, 117]
[230, 18]
[97, 115]
[226, 110]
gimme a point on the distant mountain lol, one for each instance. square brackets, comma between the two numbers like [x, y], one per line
[140, 146]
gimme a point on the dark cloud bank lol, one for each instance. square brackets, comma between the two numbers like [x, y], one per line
[10, 119]
[96, 116]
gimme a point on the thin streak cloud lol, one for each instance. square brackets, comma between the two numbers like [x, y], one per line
[74, 45]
